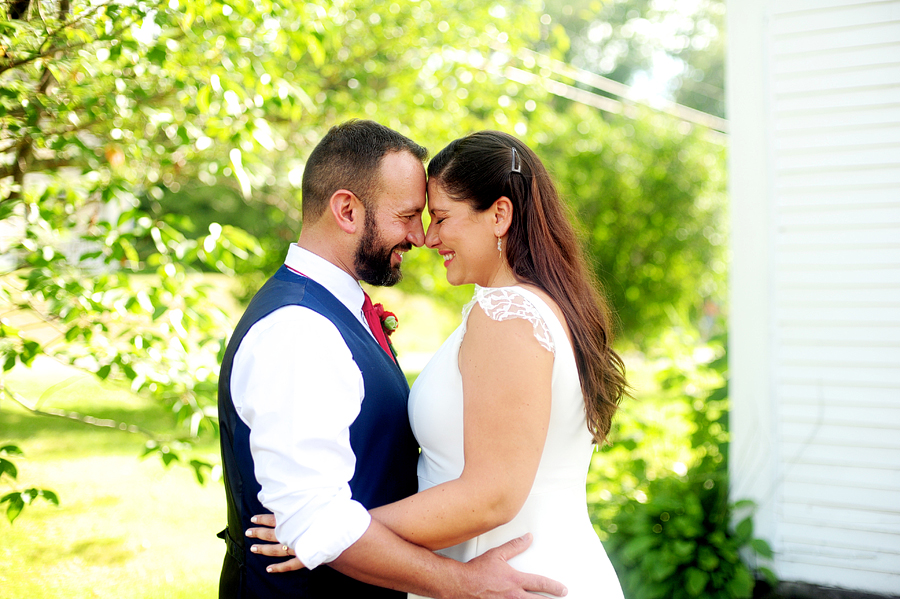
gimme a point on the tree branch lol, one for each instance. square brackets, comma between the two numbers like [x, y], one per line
[40, 10]
[37, 166]
[39, 55]
[63, 11]
[83, 418]
[42, 53]
[18, 167]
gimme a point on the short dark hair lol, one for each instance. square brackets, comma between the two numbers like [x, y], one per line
[348, 157]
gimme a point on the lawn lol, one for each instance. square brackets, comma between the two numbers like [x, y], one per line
[128, 527]
[125, 527]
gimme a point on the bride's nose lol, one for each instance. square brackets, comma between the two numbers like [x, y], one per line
[432, 239]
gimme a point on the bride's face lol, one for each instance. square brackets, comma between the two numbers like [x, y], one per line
[463, 237]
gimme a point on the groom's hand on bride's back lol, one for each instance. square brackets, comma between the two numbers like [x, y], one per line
[489, 576]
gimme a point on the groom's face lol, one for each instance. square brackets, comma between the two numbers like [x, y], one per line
[393, 223]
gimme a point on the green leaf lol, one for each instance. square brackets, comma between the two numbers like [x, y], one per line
[637, 547]
[695, 581]
[49, 496]
[718, 394]
[629, 444]
[770, 576]
[683, 548]
[11, 450]
[7, 207]
[30, 350]
[663, 568]
[744, 530]
[157, 54]
[761, 547]
[203, 99]
[168, 457]
[720, 363]
[741, 584]
[8, 331]
[15, 507]
[11, 24]
[7, 467]
[199, 467]
[707, 559]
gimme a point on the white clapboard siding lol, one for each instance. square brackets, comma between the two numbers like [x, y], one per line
[861, 396]
[835, 163]
[821, 453]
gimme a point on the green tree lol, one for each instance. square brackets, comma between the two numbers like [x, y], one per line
[649, 197]
[109, 109]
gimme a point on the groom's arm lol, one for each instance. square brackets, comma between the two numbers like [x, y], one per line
[382, 558]
[297, 388]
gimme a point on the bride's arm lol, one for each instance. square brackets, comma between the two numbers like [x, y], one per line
[506, 376]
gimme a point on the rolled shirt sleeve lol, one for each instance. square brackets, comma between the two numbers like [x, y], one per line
[296, 386]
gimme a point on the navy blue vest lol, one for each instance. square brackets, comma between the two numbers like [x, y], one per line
[385, 449]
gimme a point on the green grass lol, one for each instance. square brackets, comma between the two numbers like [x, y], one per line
[128, 527]
[125, 527]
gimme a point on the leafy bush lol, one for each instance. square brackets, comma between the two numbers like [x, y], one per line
[671, 531]
[677, 543]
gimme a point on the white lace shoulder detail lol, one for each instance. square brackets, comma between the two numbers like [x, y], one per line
[505, 303]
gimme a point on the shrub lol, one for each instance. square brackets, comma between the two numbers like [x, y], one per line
[677, 544]
[671, 531]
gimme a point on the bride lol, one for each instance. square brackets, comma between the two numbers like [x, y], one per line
[508, 410]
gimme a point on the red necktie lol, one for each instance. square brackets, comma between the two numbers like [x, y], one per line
[375, 325]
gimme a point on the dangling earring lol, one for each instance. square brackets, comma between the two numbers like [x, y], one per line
[499, 246]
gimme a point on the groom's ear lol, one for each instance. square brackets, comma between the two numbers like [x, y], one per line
[502, 212]
[347, 210]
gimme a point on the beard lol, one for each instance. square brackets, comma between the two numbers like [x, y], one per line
[372, 260]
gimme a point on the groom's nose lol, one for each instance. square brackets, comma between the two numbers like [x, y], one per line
[416, 235]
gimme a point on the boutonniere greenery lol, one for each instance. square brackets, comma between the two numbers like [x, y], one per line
[389, 322]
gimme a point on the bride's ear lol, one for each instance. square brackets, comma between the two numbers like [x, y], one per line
[502, 212]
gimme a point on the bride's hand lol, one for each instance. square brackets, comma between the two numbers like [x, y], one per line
[266, 532]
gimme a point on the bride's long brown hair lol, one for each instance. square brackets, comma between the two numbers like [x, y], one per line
[542, 250]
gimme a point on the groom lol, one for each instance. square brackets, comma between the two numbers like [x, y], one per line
[312, 406]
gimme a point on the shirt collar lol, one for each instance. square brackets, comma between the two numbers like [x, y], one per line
[337, 281]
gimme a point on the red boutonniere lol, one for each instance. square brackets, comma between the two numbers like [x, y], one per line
[389, 322]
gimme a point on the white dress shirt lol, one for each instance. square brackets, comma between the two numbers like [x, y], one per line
[295, 384]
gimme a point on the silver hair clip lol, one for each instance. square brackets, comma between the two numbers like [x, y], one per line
[516, 162]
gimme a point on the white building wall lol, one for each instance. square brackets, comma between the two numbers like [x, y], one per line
[814, 105]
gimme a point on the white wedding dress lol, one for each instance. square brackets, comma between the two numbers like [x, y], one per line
[565, 546]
